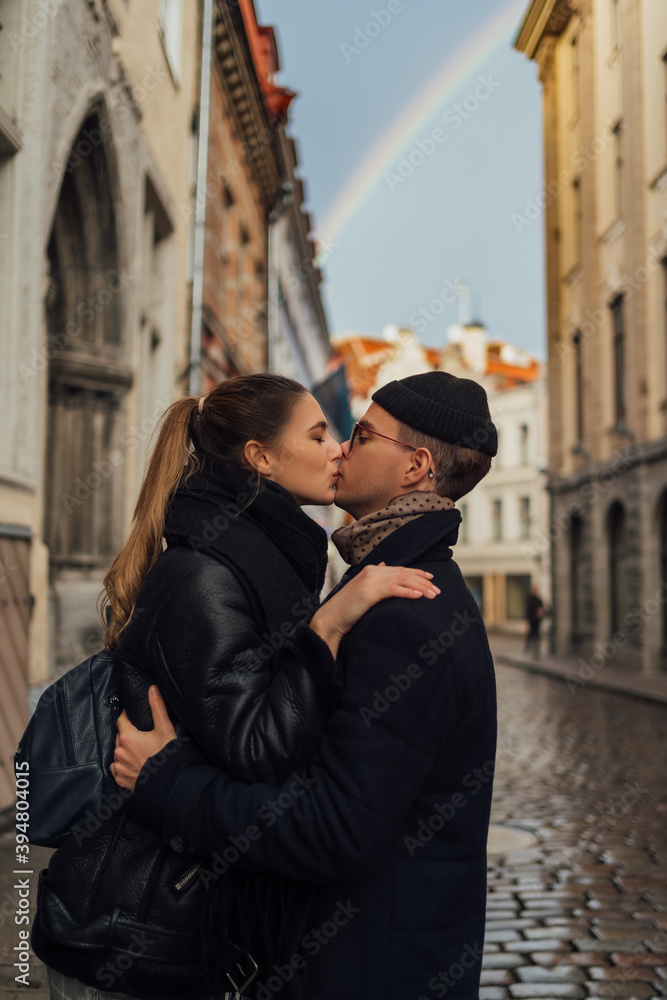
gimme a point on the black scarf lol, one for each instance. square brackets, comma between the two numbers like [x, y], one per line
[212, 511]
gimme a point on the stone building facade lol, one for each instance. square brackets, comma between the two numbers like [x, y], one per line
[299, 343]
[96, 104]
[244, 176]
[603, 68]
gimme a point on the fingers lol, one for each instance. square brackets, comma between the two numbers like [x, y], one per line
[413, 569]
[161, 720]
[399, 590]
[420, 585]
[418, 581]
[123, 723]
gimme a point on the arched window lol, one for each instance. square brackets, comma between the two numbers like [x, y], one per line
[618, 566]
[85, 348]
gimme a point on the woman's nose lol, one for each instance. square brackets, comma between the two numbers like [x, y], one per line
[336, 451]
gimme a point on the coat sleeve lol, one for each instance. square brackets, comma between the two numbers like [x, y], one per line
[324, 825]
[254, 707]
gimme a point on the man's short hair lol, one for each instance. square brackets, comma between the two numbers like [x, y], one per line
[457, 469]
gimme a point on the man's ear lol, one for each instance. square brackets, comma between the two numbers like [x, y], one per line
[420, 463]
[257, 457]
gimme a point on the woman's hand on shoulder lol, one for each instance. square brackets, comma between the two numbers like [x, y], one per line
[373, 584]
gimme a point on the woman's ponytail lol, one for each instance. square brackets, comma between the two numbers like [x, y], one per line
[171, 461]
[241, 409]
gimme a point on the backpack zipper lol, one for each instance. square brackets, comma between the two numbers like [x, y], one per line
[186, 879]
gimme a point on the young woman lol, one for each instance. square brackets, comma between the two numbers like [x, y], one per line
[225, 619]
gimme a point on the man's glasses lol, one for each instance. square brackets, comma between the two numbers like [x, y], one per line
[356, 430]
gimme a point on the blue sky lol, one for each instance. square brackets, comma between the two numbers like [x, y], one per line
[453, 217]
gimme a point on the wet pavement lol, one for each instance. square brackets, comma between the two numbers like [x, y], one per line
[579, 912]
[582, 912]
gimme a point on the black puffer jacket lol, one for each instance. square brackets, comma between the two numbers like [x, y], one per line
[221, 626]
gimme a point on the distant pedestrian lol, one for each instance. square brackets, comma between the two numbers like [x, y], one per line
[534, 614]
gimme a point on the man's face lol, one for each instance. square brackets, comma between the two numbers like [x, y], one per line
[372, 472]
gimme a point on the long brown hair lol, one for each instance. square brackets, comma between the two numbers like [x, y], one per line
[247, 407]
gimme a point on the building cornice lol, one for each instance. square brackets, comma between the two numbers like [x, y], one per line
[639, 453]
[238, 73]
[543, 17]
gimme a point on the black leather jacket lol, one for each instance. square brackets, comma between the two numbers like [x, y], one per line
[222, 629]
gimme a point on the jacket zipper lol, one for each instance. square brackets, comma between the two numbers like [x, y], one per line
[186, 879]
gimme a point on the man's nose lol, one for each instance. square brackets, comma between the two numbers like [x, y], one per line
[345, 446]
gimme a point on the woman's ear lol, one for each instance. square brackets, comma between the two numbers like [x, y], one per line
[257, 457]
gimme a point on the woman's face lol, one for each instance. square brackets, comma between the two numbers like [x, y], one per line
[305, 461]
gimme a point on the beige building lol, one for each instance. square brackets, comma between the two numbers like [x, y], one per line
[96, 108]
[603, 68]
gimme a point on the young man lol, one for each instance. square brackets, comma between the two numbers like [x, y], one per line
[391, 820]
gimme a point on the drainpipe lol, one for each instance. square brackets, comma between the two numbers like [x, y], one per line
[194, 385]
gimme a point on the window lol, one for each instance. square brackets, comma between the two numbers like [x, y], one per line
[618, 168]
[524, 432]
[618, 321]
[524, 516]
[579, 387]
[517, 589]
[497, 520]
[169, 23]
[618, 575]
[577, 220]
[574, 65]
[463, 532]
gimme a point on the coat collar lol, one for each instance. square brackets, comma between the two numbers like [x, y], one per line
[431, 534]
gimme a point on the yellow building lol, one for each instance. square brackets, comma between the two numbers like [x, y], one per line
[603, 68]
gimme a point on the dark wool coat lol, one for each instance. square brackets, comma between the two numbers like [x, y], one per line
[393, 821]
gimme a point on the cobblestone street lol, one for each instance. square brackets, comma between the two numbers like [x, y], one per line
[582, 912]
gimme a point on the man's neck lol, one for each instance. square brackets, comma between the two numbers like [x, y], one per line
[377, 506]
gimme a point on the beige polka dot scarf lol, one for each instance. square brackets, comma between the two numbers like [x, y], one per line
[356, 540]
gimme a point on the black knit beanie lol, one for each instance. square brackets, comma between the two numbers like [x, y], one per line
[443, 406]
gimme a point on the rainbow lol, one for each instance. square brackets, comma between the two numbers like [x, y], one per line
[412, 122]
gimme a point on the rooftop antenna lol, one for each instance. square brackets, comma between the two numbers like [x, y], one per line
[464, 301]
